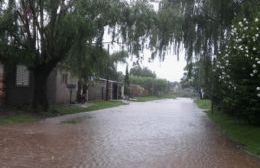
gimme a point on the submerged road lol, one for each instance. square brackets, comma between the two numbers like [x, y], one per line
[157, 134]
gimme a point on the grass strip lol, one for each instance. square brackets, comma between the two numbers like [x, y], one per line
[24, 116]
[248, 136]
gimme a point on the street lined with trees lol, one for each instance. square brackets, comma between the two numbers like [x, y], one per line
[42, 34]
[221, 40]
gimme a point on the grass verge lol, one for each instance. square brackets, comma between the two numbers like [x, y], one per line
[23, 116]
[247, 136]
[203, 104]
[18, 117]
[57, 110]
[151, 98]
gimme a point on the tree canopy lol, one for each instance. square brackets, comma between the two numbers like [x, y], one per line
[144, 72]
[43, 33]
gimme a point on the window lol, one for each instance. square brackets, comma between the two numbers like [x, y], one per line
[22, 75]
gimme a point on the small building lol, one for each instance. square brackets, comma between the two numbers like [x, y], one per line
[97, 91]
[62, 87]
[16, 86]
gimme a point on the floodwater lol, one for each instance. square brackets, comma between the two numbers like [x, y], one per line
[158, 134]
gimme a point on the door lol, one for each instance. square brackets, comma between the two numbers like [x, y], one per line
[115, 91]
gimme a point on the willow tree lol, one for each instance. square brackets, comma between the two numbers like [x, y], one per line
[42, 33]
[94, 62]
[109, 64]
[201, 26]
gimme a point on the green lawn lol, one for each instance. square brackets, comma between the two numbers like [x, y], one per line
[21, 116]
[246, 135]
[203, 104]
[151, 98]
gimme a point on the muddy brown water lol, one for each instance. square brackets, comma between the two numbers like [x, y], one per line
[158, 134]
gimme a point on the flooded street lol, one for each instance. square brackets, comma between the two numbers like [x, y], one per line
[158, 134]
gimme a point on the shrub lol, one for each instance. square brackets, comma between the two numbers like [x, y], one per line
[237, 71]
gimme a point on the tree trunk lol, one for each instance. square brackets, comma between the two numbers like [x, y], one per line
[40, 91]
[84, 93]
[87, 95]
[107, 89]
[79, 97]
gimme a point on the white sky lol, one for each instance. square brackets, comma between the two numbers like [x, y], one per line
[170, 69]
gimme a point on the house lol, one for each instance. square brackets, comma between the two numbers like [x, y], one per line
[16, 86]
[61, 87]
[97, 91]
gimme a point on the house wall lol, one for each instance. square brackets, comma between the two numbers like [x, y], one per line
[110, 90]
[117, 89]
[58, 93]
[17, 95]
[51, 87]
[97, 91]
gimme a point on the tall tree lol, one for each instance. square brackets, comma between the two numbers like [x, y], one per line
[139, 71]
[127, 82]
[84, 64]
[201, 27]
[42, 33]
[110, 66]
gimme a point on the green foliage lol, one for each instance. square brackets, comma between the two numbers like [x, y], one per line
[237, 71]
[247, 136]
[57, 110]
[95, 62]
[199, 77]
[126, 82]
[230, 78]
[17, 118]
[203, 103]
[139, 71]
[111, 61]
[153, 85]
[41, 34]
[22, 116]
[201, 28]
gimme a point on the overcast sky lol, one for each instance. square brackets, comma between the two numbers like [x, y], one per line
[170, 69]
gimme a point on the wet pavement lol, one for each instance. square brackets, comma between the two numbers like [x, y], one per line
[158, 134]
